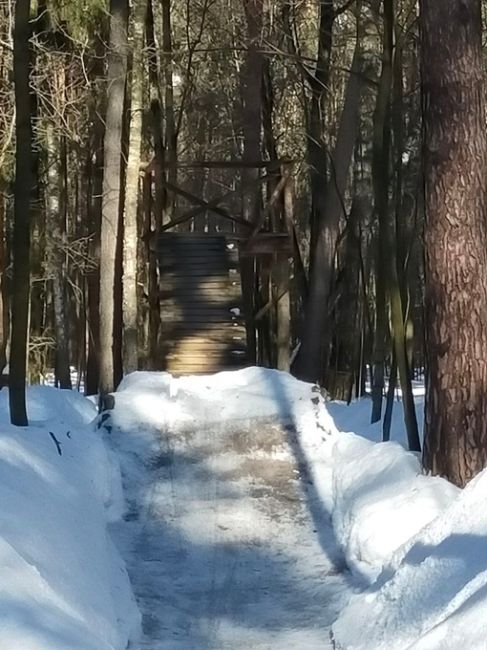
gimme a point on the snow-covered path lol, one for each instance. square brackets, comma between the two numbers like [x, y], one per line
[225, 542]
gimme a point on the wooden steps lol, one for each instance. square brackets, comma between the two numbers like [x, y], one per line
[202, 327]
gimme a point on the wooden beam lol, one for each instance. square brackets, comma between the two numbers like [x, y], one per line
[196, 199]
[278, 190]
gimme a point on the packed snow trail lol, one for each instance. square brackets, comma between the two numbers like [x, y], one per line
[225, 543]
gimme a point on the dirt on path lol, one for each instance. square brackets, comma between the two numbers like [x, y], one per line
[224, 542]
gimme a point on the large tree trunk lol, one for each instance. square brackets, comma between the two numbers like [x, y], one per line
[314, 346]
[130, 325]
[455, 170]
[116, 73]
[24, 181]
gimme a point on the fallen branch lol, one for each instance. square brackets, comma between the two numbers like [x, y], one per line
[56, 442]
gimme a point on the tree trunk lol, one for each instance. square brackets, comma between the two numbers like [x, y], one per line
[130, 239]
[314, 345]
[251, 86]
[24, 182]
[455, 171]
[169, 107]
[387, 249]
[94, 201]
[380, 181]
[4, 293]
[315, 142]
[55, 257]
[116, 73]
[160, 194]
[391, 389]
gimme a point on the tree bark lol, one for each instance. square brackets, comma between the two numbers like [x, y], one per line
[116, 74]
[55, 257]
[314, 346]
[130, 239]
[387, 262]
[24, 181]
[4, 293]
[315, 142]
[455, 172]
[251, 86]
[169, 106]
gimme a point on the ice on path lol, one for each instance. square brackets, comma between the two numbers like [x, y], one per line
[222, 540]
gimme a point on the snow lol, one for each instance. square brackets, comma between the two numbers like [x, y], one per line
[356, 416]
[418, 543]
[433, 594]
[223, 508]
[381, 499]
[245, 498]
[62, 582]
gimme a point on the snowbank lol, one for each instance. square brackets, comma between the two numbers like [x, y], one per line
[356, 417]
[164, 400]
[434, 594]
[62, 583]
[380, 500]
[418, 542]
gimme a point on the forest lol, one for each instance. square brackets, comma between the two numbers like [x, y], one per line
[340, 143]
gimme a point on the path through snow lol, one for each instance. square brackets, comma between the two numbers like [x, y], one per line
[221, 540]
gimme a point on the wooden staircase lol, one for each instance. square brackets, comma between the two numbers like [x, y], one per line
[202, 326]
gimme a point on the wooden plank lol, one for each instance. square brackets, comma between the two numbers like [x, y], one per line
[200, 273]
[201, 358]
[188, 293]
[207, 353]
[227, 277]
[184, 258]
[203, 308]
[184, 294]
[193, 241]
[176, 329]
[196, 251]
[198, 318]
[199, 305]
[182, 261]
[191, 250]
[199, 368]
[204, 339]
[204, 351]
[182, 264]
[172, 267]
[230, 282]
[194, 236]
[197, 243]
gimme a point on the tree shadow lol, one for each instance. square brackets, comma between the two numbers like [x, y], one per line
[433, 583]
[195, 590]
[320, 513]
